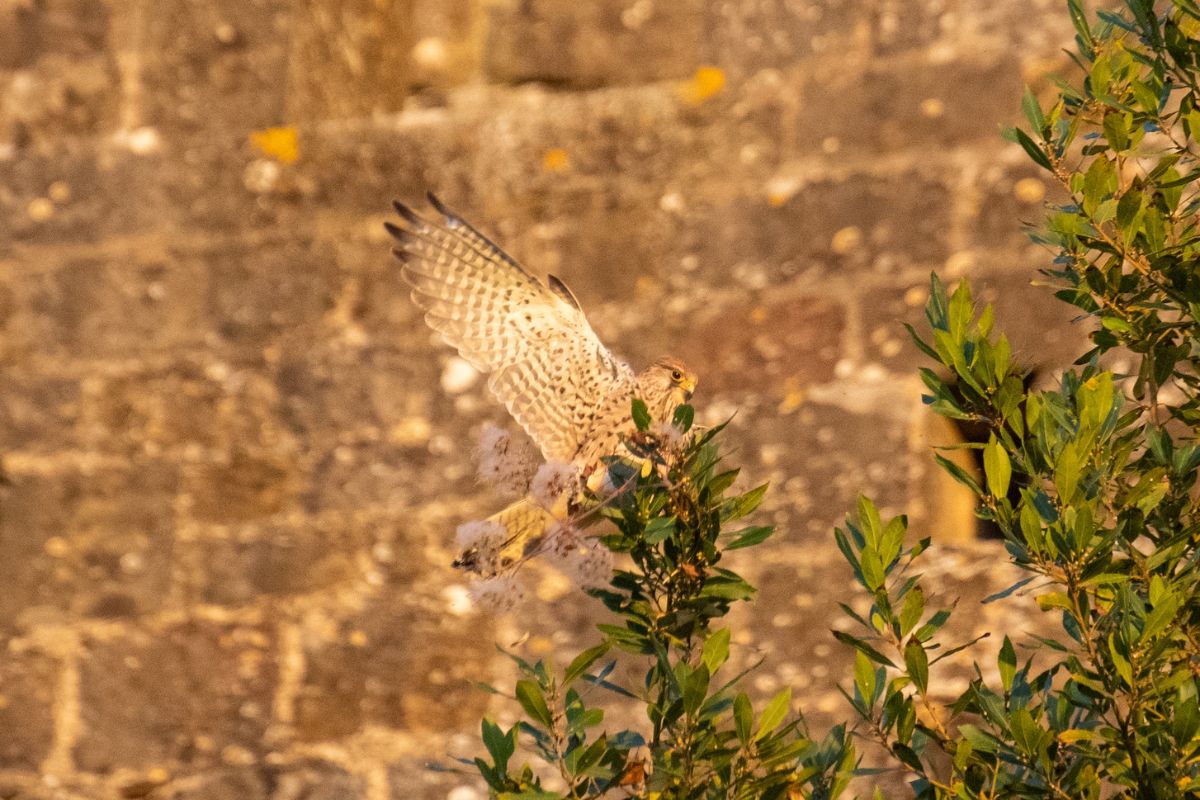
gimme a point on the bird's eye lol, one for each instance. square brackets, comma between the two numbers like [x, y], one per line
[676, 375]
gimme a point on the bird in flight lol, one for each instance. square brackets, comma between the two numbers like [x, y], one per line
[546, 364]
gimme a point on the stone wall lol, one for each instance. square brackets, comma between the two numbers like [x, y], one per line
[234, 454]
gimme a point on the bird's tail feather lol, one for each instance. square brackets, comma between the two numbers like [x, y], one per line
[525, 523]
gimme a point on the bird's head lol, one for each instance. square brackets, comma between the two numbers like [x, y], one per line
[669, 381]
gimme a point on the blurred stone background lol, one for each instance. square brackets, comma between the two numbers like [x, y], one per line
[235, 456]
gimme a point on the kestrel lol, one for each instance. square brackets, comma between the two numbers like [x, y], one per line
[548, 367]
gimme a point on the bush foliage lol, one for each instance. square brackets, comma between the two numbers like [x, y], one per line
[1092, 483]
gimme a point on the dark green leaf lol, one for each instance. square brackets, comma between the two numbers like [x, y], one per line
[917, 663]
[583, 662]
[748, 537]
[641, 415]
[864, 648]
[1007, 663]
[530, 696]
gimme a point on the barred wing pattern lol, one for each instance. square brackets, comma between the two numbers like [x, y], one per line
[548, 367]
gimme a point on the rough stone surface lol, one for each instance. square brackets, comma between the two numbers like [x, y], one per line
[232, 469]
[28, 685]
[194, 694]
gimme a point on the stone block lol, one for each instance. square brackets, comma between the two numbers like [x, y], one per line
[38, 413]
[1013, 196]
[104, 308]
[270, 561]
[773, 35]
[250, 783]
[389, 664]
[261, 292]
[179, 406]
[213, 67]
[349, 58]
[232, 297]
[583, 45]
[766, 348]
[951, 25]
[95, 543]
[58, 74]
[193, 695]
[76, 191]
[315, 780]
[28, 687]
[245, 486]
[942, 105]
[910, 103]
[359, 173]
[898, 25]
[852, 222]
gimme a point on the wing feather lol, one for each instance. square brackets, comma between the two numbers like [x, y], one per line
[547, 365]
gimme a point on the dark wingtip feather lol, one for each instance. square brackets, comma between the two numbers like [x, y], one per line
[406, 212]
[396, 231]
[438, 204]
[403, 255]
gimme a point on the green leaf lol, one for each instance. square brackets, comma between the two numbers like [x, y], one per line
[868, 517]
[1033, 111]
[1051, 600]
[997, 468]
[684, 416]
[1163, 614]
[864, 648]
[727, 587]
[1066, 472]
[1035, 153]
[641, 415]
[980, 741]
[722, 481]
[500, 744]
[872, 568]
[1007, 663]
[958, 473]
[1120, 659]
[1116, 131]
[716, 650]
[1000, 595]
[743, 717]
[864, 677]
[912, 609]
[748, 537]
[774, 713]
[530, 696]
[743, 504]
[931, 627]
[1098, 182]
[582, 662]
[917, 663]
[658, 529]
[695, 689]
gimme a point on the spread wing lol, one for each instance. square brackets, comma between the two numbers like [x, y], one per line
[548, 367]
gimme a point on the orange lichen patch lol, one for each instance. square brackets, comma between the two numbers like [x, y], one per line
[793, 396]
[281, 144]
[706, 83]
[556, 159]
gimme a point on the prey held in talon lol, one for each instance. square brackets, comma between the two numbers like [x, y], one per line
[545, 364]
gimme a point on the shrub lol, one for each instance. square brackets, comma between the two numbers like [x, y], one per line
[1092, 484]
